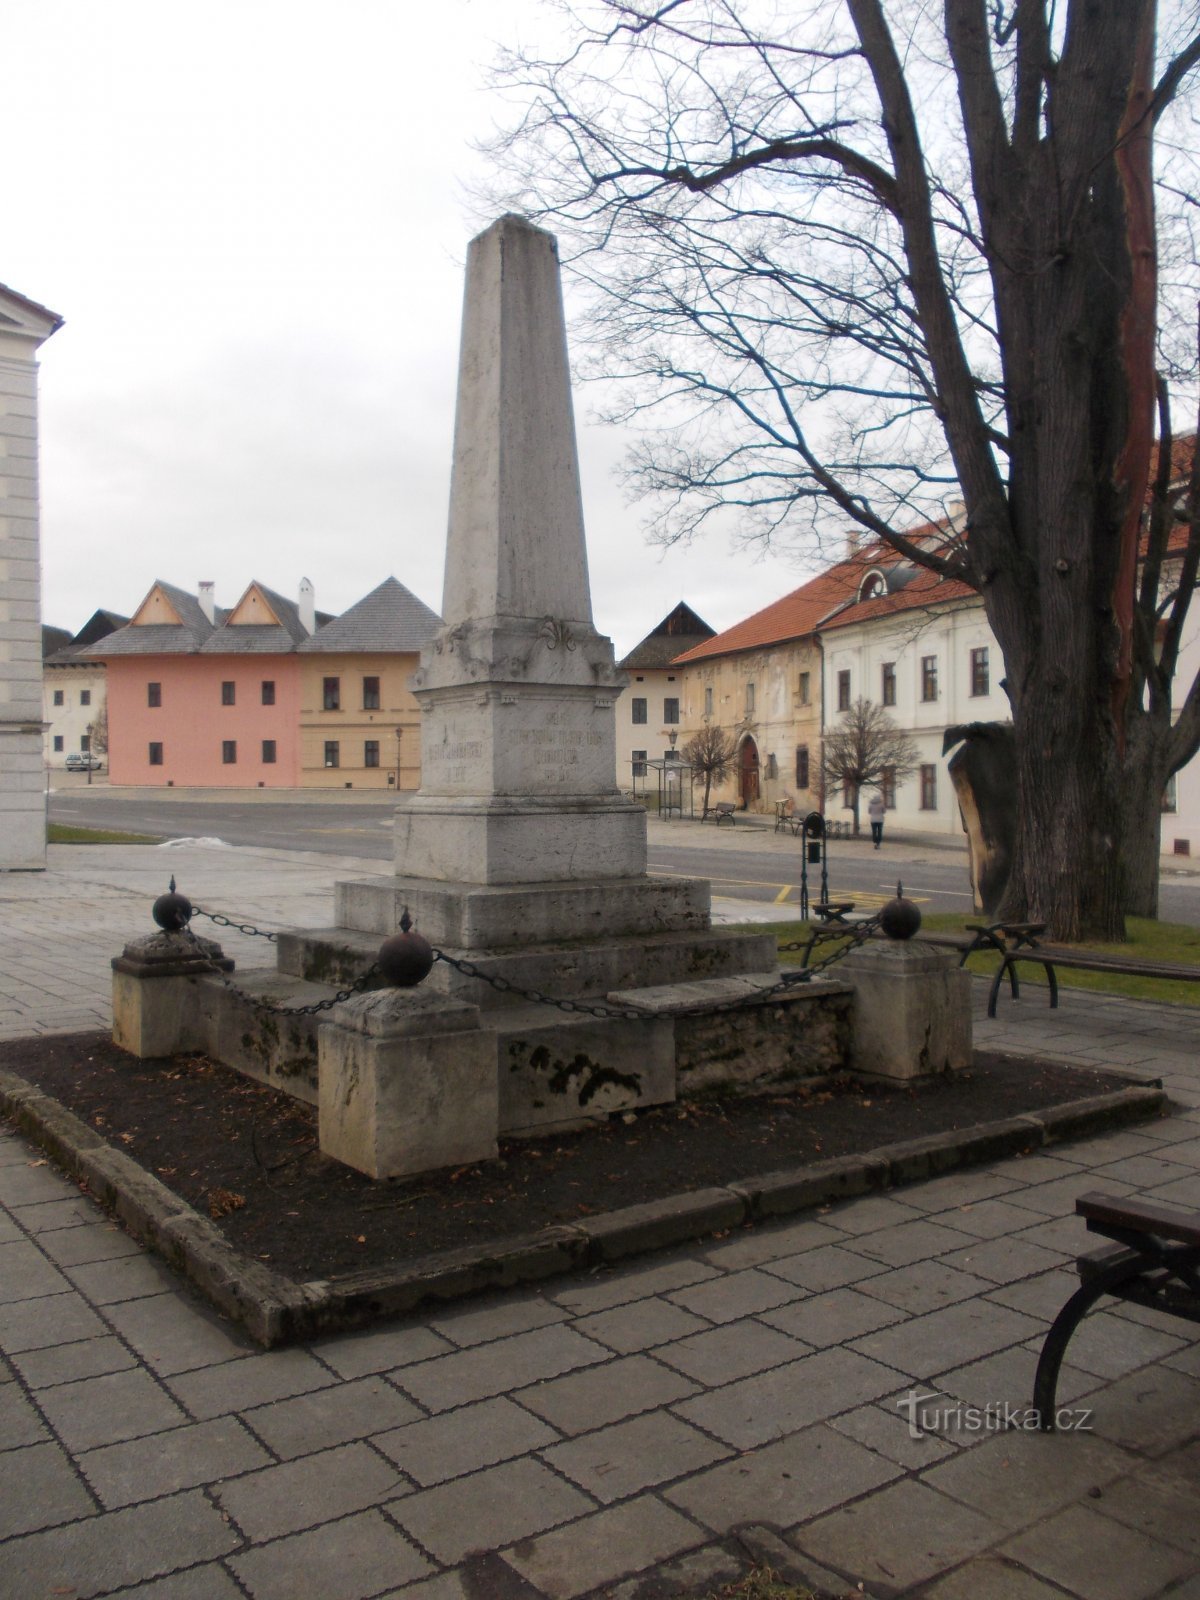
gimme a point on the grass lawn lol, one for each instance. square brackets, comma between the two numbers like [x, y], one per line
[59, 833]
[1147, 941]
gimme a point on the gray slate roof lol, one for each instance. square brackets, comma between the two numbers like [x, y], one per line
[259, 638]
[53, 640]
[678, 631]
[390, 618]
[162, 638]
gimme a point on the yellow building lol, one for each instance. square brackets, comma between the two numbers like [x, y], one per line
[760, 681]
[358, 719]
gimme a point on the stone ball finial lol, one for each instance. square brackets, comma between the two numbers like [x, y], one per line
[172, 911]
[900, 918]
[406, 958]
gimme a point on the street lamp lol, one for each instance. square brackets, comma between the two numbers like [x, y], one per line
[399, 743]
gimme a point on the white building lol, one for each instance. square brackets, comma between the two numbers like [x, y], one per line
[921, 646]
[649, 711]
[74, 693]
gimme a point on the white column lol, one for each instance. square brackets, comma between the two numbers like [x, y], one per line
[23, 327]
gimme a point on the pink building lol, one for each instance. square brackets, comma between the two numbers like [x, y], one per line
[271, 695]
[207, 699]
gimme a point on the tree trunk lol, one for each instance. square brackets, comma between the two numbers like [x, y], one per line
[1143, 779]
[1067, 854]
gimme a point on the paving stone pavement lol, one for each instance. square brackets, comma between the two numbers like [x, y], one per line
[567, 1440]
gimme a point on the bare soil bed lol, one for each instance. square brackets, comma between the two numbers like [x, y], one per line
[247, 1155]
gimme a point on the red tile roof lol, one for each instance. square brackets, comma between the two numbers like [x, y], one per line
[924, 589]
[797, 613]
[827, 601]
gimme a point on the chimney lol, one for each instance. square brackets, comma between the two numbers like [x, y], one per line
[207, 601]
[307, 606]
[853, 543]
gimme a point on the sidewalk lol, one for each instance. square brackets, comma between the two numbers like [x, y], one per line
[559, 1441]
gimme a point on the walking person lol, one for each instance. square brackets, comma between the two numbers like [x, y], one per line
[875, 811]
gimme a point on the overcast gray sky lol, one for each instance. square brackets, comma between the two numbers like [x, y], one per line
[252, 217]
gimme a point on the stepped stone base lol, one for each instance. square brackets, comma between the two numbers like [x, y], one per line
[410, 1080]
[474, 917]
[585, 968]
[595, 968]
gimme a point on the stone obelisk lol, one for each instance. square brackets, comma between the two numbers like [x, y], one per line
[517, 738]
[518, 851]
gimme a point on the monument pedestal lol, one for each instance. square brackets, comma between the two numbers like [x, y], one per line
[511, 840]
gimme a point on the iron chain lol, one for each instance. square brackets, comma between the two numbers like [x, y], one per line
[228, 922]
[260, 1002]
[854, 934]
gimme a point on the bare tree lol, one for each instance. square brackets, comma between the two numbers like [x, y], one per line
[850, 259]
[866, 750]
[98, 732]
[710, 754]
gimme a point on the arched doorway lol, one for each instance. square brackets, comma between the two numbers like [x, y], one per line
[748, 772]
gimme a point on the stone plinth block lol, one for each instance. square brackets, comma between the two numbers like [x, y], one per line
[549, 736]
[407, 1084]
[912, 1010]
[158, 1009]
[561, 1072]
[497, 840]
[757, 1044]
[469, 917]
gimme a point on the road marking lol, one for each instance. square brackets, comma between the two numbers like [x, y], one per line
[863, 897]
[959, 894]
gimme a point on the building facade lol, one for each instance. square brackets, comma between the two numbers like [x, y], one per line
[650, 710]
[925, 654]
[270, 694]
[359, 721]
[760, 683]
[24, 328]
[75, 694]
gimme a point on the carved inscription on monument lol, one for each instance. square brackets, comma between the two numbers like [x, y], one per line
[554, 748]
[449, 759]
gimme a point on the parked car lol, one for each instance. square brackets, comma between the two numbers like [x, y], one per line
[84, 763]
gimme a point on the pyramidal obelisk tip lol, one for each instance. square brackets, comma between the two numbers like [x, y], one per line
[515, 546]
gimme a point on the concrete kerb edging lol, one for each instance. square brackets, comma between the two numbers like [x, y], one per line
[277, 1310]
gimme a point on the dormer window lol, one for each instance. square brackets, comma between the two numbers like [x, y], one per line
[872, 586]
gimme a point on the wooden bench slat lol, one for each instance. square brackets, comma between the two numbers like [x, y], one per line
[1094, 961]
[1141, 1216]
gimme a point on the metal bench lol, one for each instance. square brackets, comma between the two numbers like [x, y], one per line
[1052, 956]
[788, 821]
[724, 811]
[1154, 1262]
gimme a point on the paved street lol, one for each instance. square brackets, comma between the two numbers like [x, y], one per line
[747, 862]
[560, 1440]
